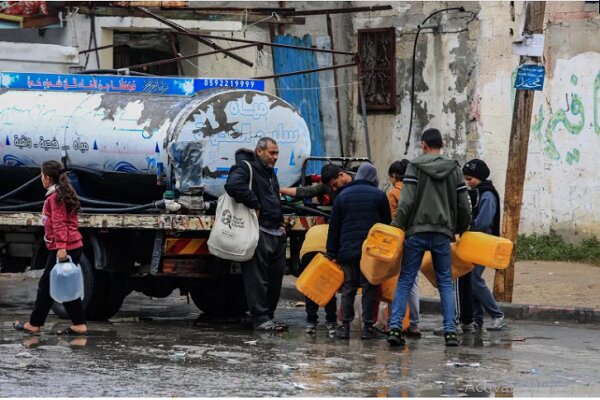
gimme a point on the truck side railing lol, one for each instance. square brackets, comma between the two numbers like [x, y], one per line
[168, 222]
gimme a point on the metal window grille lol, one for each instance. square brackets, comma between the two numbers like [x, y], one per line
[377, 67]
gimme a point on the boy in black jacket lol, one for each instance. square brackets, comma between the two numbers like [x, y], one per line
[356, 209]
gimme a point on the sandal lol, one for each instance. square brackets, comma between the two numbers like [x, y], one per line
[70, 332]
[20, 326]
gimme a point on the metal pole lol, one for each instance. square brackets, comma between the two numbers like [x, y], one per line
[287, 46]
[306, 71]
[363, 106]
[337, 10]
[197, 37]
[177, 59]
[335, 83]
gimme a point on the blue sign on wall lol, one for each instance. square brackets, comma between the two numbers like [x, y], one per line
[121, 83]
[530, 77]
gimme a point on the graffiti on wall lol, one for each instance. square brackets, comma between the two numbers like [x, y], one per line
[567, 118]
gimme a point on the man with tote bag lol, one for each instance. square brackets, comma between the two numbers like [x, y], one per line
[263, 273]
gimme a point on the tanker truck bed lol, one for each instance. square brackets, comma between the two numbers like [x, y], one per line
[168, 222]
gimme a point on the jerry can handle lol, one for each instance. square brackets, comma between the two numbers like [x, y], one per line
[68, 260]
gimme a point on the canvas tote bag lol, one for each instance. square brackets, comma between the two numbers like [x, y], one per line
[235, 234]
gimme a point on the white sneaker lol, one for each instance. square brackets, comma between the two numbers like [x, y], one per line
[497, 324]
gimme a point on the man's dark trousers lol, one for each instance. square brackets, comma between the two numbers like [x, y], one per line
[263, 276]
[353, 278]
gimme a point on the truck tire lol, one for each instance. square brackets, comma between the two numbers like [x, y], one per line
[103, 293]
[110, 290]
[223, 297]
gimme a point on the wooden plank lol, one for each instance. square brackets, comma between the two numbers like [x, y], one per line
[190, 14]
[32, 21]
[517, 161]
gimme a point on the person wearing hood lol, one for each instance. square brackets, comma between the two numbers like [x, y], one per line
[433, 208]
[263, 274]
[358, 206]
[486, 218]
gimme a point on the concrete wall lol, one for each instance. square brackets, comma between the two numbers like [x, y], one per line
[446, 61]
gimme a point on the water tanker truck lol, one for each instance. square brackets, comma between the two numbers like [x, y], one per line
[148, 157]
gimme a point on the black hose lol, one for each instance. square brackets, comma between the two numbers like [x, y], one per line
[412, 86]
[98, 174]
[95, 202]
[309, 210]
[20, 188]
[24, 206]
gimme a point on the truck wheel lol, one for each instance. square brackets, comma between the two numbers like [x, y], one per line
[220, 297]
[103, 293]
[110, 290]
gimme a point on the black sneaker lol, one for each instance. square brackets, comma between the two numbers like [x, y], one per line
[451, 339]
[395, 338]
[367, 332]
[344, 331]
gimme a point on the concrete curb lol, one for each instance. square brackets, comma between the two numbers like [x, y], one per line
[512, 311]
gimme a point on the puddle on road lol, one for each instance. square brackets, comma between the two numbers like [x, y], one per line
[183, 357]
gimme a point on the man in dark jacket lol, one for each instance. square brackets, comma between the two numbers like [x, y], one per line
[359, 205]
[263, 274]
[434, 206]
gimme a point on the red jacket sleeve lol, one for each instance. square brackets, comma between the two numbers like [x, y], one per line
[59, 223]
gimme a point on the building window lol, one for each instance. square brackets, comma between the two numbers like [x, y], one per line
[377, 67]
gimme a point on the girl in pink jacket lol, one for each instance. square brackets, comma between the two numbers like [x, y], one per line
[62, 237]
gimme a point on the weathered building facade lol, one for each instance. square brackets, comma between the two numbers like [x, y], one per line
[463, 85]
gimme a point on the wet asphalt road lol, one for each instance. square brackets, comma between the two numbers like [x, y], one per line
[159, 347]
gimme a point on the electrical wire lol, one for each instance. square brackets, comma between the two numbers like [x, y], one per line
[412, 86]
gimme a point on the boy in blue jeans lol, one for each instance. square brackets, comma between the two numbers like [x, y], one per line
[434, 206]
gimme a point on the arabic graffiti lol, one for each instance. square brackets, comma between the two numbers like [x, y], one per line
[570, 119]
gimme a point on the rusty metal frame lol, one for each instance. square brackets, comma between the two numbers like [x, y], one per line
[181, 29]
[392, 69]
[269, 44]
[178, 59]
[306, 71]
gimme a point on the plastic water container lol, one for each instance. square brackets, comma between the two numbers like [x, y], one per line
[388, 288]
[66, 281]
[460, 267]
[381, 253]
[315, 240]
[320, 280]
[483, 249]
